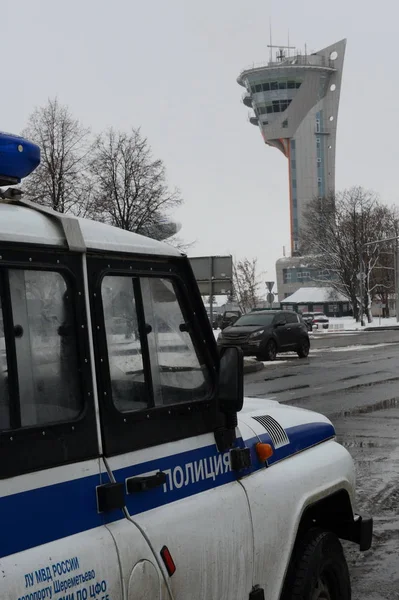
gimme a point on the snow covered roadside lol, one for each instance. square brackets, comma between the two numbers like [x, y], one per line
[349, 324]
[351, 348]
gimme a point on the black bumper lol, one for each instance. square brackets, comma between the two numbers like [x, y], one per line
[359, 530]
[247, 349]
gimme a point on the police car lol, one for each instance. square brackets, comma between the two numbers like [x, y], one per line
[131, 467]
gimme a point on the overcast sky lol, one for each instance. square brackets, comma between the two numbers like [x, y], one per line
[170, 66]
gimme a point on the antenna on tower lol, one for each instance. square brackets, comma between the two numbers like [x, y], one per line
[271, 43]
[288, 45]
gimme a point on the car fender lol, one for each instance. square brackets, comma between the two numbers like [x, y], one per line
[287, 489]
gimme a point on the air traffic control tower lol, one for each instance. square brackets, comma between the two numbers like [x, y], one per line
[295, 100]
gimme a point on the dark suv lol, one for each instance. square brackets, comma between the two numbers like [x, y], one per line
[264, 334]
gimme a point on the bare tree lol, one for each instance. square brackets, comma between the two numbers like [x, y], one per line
[382, 286]
[337, 231]
[245, 283]
[61, 180]
[131, 191]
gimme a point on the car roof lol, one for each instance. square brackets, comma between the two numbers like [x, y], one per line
[270, 312]
[25, 225]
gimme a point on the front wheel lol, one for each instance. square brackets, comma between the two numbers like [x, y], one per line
[303, 349]
[270, 351]
[318, 570]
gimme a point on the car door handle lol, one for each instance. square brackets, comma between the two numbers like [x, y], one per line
[145, 482]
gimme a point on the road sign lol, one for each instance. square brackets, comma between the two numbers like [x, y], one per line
[270, 298]
[219, 288]
[214, 275]
[269, 285]
[212, 267]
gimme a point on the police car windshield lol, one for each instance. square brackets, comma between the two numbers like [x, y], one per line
[254, 319]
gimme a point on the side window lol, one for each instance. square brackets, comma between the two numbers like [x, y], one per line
[125, 354]
[4, 397]
[279, 319]
[177, 373]
[152, 357]
[291, 317]
[45, 347]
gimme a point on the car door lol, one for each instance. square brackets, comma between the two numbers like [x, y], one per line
[292, 329]
[280, 331]
[54, 542]
[158, 416]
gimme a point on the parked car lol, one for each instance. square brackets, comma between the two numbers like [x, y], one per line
[229, 317]
[308, 320]
[217, 320]
[316, 318]
[265, 334]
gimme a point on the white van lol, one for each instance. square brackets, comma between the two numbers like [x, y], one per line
[130, 467]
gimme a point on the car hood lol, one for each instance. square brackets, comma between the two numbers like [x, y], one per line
[245, 329]
[287, 429]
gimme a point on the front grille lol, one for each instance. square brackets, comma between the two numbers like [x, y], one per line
[234, 338]
[274, 429]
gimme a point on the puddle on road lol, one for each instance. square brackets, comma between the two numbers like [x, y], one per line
[289, 389]
[359, 443]
[363, 375]
[361, 410]
[281, 376]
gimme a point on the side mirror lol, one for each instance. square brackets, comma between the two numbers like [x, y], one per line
[279, 323]
[231, 379]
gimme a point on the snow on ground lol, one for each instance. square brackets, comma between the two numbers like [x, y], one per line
[351, 348]
[349, 324]
[273, 363]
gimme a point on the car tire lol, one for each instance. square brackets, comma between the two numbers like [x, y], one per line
[303, 349]
[318, 569]
[269, 353]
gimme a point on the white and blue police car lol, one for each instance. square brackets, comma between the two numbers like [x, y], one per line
[130, 465]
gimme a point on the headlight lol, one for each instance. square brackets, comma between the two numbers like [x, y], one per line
[256, 334]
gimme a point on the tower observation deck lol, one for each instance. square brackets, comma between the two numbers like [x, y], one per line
[294, 101]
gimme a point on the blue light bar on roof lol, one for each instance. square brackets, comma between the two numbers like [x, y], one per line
[18, 158]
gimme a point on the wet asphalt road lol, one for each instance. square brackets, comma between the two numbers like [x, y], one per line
[354, 380]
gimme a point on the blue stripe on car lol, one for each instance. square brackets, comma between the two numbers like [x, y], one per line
[49, 513]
